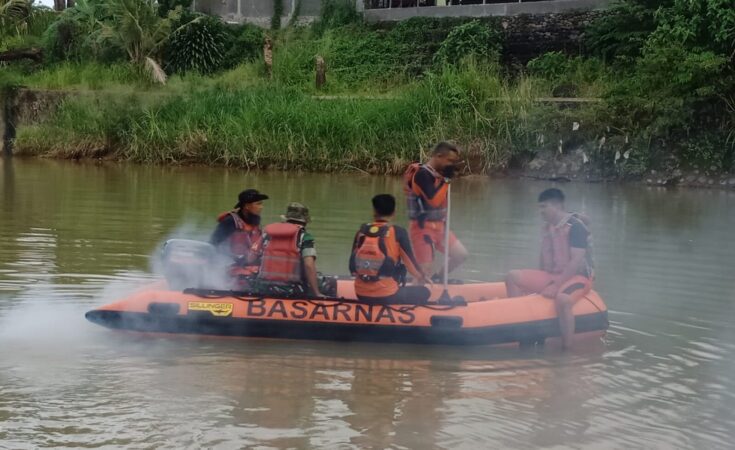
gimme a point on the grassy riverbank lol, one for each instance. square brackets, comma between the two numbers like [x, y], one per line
[272, 125]
[387, 99]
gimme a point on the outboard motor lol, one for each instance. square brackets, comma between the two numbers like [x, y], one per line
[187, 263]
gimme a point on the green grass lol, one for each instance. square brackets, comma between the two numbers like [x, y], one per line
[275, 125]
[82, 76]
[384, 103]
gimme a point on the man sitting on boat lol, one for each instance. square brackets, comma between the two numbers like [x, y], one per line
[288, 261]
[381, 254]
[566, 261]
[238, 235]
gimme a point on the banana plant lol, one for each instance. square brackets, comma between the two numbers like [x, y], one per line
[14, 16]
[136, 27]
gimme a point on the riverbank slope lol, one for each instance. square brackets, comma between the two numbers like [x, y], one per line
[391, 92]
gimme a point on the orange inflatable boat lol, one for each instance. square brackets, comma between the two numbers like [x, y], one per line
[479, 314]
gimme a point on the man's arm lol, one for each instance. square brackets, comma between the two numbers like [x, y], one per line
[407, 256]
[352, 265]
[308, 255]
[311, 275]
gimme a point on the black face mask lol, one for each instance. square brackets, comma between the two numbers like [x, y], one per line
[448, 171]
[250, 219]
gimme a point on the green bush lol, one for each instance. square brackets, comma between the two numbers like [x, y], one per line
[620, 34]
[336, 13]
[669, 91]
[78, 35]
[62, 40]
[356, 56]
[571, 76]
[550, 65]
[294, 60]
[197, 46]
[41, 18]
[470, 40]
[704, 24]
[678, 79]
[164, 6]
[418, 39]
[706, 150]
[244, 44]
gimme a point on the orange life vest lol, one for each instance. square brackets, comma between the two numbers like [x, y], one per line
[281, 260]
[555, 247]
[377, 252]
[245, 241]
[419, 208]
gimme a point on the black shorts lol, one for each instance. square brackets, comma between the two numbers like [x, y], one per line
[406, 295]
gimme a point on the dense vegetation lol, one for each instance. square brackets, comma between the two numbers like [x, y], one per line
[663, 70]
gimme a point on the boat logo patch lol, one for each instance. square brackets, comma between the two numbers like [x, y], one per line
[217, 309]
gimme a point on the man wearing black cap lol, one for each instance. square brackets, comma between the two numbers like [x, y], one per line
[238, 233]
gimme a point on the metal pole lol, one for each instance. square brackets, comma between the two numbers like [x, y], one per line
[446, 237]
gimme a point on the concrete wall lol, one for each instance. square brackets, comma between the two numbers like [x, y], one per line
[258, 12]
[527, 36]
[498, 9]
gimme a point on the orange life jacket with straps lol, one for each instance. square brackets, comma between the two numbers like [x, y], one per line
[377, 252]
[245, 241]
[281, 260]
[556, 249]
[418, 206]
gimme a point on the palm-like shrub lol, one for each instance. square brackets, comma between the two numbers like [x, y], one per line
[198, 47]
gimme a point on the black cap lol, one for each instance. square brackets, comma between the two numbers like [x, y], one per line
[249, 196]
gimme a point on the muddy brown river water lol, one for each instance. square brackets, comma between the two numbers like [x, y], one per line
[75, 236]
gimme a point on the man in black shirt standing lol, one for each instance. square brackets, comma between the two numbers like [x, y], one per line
[427, 194]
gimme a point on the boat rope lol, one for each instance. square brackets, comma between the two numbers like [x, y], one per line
[317, 301]
[593, 303]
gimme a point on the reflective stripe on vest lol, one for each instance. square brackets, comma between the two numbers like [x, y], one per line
[281, 260]
[556, 249]
[418, 208]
